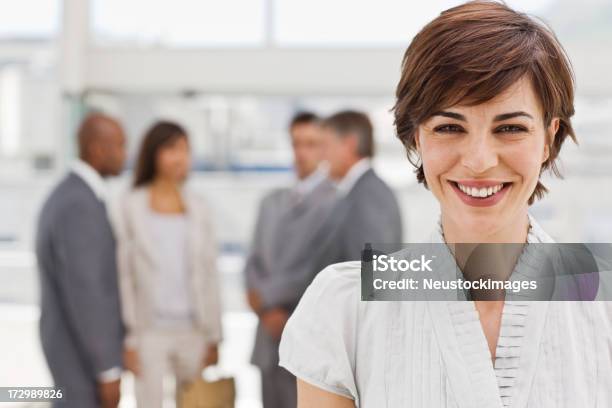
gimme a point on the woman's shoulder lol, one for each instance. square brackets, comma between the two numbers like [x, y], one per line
[128, 201]
[333, 294]
[195, 199]
[343, 271]
[337, 281]
[134, 195]
[319, 341]
[331, 303]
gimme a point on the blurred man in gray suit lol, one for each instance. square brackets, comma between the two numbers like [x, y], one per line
[288, 220]
[80, 324]
[365, 211]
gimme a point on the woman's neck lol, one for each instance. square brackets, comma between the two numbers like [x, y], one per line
[513, 232]
[165, 185]
[165, 196]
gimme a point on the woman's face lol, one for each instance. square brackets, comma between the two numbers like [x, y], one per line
[483, 162]
[174, 160]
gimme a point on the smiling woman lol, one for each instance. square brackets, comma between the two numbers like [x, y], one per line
[483, 107]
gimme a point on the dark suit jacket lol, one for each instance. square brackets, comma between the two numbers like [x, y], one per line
[80, 325]
[284, 229]
[368, 214]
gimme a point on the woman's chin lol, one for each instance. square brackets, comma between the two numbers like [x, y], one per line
[477, 222]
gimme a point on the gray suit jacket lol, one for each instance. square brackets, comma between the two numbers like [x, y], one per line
[80, 324]
[283, 231]
[368, 214]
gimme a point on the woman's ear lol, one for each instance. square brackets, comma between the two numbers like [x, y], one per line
[551, 131]
[417, 141]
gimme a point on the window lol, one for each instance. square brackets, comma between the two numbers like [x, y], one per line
[29, 19]
[10, 110]
[352, 23]
[178, 23]
[260, 23]
[361, 23]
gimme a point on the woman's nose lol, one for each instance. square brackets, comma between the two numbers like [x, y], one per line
[479, 154]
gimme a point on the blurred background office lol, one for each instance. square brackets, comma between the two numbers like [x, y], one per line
[234, 72]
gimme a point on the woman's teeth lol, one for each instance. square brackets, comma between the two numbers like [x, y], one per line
[480, 192]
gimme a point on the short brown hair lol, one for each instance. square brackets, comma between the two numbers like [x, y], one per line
[472, 53]
[303, 118]
[356, 123]
[160, 135]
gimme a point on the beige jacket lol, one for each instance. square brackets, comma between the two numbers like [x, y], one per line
[137, 261]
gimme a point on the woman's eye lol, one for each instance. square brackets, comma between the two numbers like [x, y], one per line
[510, 129]
[448, 129]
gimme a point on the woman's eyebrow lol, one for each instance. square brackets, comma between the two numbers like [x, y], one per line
[498, 118]
[505, 116]
[451, 115]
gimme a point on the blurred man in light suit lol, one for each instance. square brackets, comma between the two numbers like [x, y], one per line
[80, 324]
[288, 220]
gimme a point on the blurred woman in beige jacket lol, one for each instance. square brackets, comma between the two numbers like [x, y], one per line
[167, 273]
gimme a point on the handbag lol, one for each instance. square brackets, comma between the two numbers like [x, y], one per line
[207, 393]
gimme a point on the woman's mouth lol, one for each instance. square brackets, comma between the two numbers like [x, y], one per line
[480, 193]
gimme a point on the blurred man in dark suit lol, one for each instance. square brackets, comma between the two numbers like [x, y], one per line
[288, 219]
[80, 324]
[367, 210]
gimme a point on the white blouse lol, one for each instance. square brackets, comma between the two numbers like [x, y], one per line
[435, 354]
[172, 301]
